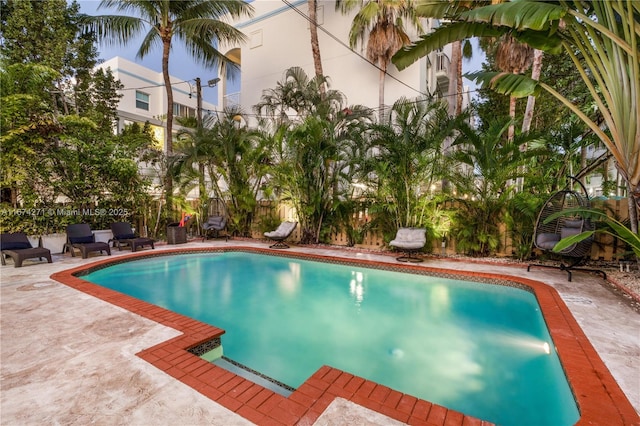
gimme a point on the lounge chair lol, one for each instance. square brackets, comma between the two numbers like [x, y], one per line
[280, 234]
[79, 236]
[123, 235]
[213, 226]
[18, 247]
[410, 241]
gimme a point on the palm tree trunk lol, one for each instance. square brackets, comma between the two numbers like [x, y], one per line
[454, 77]
[383, 73]
[169, 130]
[315, 45]
[459, 85]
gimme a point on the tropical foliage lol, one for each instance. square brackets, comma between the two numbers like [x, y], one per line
[56, 123]
[406, 163]
[199, 24]
[487, 161]
[602, 40]
[316, 142]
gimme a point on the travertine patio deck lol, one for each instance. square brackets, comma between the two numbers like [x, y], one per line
[70, 358]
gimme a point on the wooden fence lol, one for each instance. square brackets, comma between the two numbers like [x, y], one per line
[604, 248]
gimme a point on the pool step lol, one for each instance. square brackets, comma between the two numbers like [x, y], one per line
[254, 376]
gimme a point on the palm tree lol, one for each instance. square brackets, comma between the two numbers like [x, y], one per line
[381, 23]
[491, 161]
[296, 96]
[602, 40]
[196, 23]
[407, 159]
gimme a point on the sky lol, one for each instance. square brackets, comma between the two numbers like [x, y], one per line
[184, 67]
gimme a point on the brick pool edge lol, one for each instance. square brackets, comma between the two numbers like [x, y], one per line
[600, 399]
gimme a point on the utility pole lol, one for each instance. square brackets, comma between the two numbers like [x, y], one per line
[199, 97]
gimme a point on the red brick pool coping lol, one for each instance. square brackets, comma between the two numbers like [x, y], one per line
[599, 397]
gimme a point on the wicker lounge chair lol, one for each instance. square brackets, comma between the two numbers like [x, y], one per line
[410, 241]
[213, 226]
[79, 236]
[123, 235]
[17, 246]
[280, 234]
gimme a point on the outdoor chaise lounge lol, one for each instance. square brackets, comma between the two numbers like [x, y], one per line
[79, 236]
[213, 226]
[280, 234]
[123, 235]
[18, 247]
[409, 241]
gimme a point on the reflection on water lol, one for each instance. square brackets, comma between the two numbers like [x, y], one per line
[356, 286]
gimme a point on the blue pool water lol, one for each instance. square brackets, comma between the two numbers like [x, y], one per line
[480, 349]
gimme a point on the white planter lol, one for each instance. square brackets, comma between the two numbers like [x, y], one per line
[54, 242]
[103, 235]
[34, 240]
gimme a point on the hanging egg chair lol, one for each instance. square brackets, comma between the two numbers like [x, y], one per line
[547, 233]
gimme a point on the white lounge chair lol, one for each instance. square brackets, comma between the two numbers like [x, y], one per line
[410, 241]
[280, 234]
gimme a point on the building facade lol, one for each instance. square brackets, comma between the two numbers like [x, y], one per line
[278, 37]
[144, 98]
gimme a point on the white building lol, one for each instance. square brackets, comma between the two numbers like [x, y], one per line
[145, 99]
[278, 38]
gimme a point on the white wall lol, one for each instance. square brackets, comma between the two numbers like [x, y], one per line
[279, 38]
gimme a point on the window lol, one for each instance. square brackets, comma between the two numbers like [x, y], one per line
[142, 101]
[180, 110]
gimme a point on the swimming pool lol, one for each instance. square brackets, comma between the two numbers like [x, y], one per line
[452, 342]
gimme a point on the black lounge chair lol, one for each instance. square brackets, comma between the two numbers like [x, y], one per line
[18, 247]
[213, 226]
[79, 236]
[410, 241]
[123, 235]
[280, 234]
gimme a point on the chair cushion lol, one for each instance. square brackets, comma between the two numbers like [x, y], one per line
[81, 240]
[573, 223]
[125, 237]
[569, 231]
[283, 231]
[547, 240]
[409, 238]
[14, 245]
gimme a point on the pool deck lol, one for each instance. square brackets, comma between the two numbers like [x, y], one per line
[80, 354]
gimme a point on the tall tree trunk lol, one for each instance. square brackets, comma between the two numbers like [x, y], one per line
[459, 85]
[166, 47]
[383, 73]
[512, 113]
[536, 68]
[454, 77]
[315, 45]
